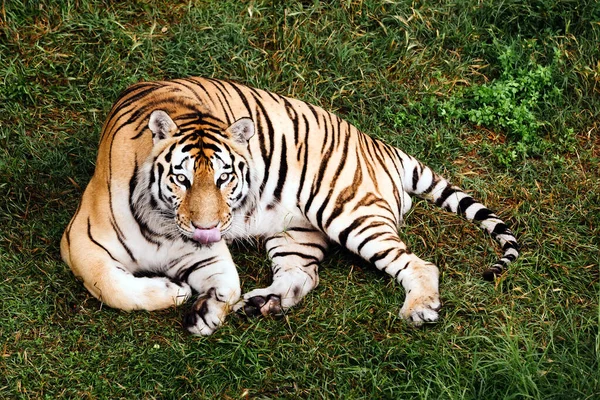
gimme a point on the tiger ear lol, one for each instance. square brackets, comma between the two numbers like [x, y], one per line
[161, 125]
[242, 130]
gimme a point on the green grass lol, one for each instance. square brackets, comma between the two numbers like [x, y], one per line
[502, 96]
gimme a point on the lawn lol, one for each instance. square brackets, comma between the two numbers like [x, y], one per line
[500, 96]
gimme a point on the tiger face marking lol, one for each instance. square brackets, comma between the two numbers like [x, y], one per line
[205, 177]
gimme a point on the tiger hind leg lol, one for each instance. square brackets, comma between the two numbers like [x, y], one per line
[377, 241]
[295, 254]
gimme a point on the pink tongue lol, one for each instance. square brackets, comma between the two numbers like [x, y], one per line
[206, 236]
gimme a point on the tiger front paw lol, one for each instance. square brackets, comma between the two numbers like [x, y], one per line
[206, 315]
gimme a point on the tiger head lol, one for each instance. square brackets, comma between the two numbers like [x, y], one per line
[199, 173]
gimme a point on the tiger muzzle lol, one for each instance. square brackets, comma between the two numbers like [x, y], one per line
[207, 207]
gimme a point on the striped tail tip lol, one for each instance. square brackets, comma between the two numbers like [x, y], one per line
[492, 273]
[511, 252]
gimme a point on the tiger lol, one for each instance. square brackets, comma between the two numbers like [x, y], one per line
[186, 166]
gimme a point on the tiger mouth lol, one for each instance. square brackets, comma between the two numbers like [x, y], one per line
[207, 236]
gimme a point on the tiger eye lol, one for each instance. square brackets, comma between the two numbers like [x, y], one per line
[181, 178]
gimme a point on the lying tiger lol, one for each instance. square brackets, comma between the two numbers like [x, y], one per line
[188, 164]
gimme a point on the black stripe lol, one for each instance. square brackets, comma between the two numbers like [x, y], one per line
[464, 204]
[293, 116]
[381, 255]
[124, 101]
[148, 234]
[169, 153]
[319, 215]
[172, 263]
[235, 87]
[152, 179]
[482, 214]
[70, 226]
[510, 245]
[184, 273]
[294, 253]
[149, 85]
[400, 270]
[343, 236]
[220, 87]
[415, 178]
[215, 133]
[346, 195]
[89, 233]
[314, 111]
[325, 134]
[192, 85]
[369, 238]
[499, 229]
[143, 273]
[211, 146]
[377, 224]
[161, 171]
[305, 161]
[267, 155]
[365, 152]
[121, 238]
[400, 186]
[434, 180]
[447, 192]
[300, 229]
[277, 98]
[321, 210]
[316, 184]
[323, 249]
[334, 136]
[283, 169]
[189, 147]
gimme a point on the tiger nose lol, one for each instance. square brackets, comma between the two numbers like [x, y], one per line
[205, 225]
